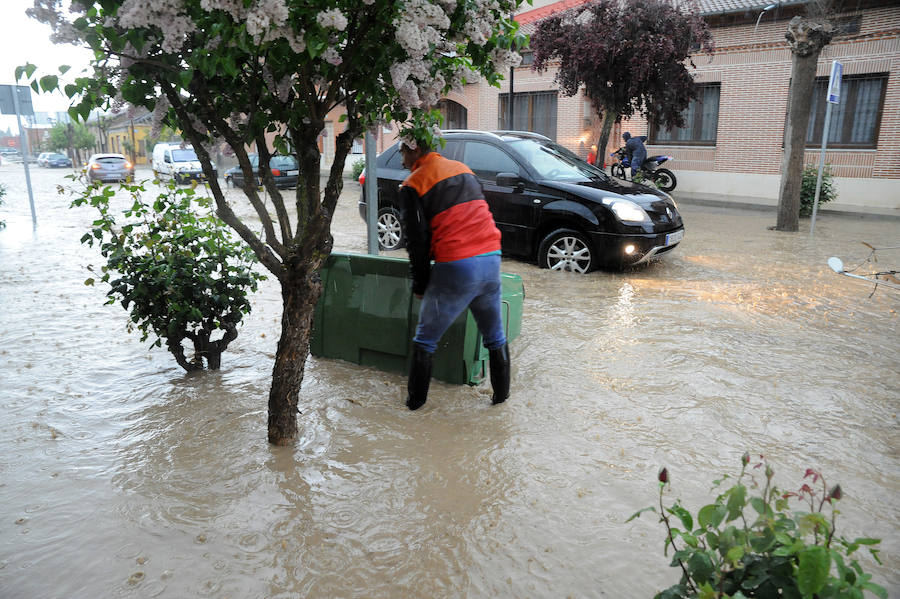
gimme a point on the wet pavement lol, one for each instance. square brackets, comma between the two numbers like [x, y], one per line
[120, 475]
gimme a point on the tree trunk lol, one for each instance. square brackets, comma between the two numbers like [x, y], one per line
[807, 38]
[609, 119]
[300, 291]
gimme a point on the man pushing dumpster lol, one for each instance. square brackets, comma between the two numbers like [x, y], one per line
[448, 220]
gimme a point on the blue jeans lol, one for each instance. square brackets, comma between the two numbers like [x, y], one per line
[472, 283]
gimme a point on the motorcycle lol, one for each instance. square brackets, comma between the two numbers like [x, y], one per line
[663, 178]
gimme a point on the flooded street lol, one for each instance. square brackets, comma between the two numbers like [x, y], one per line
[122, 476]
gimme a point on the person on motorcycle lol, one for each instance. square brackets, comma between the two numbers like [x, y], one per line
[636, 151]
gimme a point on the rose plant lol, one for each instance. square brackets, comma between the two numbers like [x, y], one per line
[749, 542]
[175, 267]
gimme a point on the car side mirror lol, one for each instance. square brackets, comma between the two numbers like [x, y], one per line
[510, 180]
[167, 159]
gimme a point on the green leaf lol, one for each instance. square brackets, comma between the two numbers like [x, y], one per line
[89, 282]
[49, 82]
[685, 516]
[761, 507]
[737, 498]
[700, 566]
[812, 572]
[876, 589]
[639, 512]
[735, 554]
[710, 516]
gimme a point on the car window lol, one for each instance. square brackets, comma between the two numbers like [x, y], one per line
[57, 156]
[552, 161]
[395, 160]
[488, 161]
[110, 160]
[451, 150]
[283, 162]
[185, 155]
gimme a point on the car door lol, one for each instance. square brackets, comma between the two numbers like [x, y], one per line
[514, 210]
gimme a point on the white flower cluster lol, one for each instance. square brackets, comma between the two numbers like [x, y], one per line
[168, 15]
[333, 18]
[505, 59]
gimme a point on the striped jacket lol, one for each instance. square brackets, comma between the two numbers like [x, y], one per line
[445, 216]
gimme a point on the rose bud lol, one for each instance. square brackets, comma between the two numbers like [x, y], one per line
[745, 459]
[835, 493]
[663, 475]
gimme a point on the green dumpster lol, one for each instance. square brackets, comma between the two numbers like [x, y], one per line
[367, 315]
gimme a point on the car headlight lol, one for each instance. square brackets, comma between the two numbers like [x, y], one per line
[626, 210]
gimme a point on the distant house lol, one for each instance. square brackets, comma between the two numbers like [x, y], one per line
[127, 134]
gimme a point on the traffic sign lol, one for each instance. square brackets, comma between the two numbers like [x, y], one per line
[834, 82]
[7, 102]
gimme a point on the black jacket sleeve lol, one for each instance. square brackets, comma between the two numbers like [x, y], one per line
[418, 238]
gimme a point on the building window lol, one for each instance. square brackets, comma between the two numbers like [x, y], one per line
[532, 111]
[455, 114]
[855, 120]
[701, 120]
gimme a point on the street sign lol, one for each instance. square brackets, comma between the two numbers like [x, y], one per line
[7, 102]
[834, 82]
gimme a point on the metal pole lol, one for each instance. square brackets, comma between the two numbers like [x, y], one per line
[812, 222]
[24, 141]
[509, 109]
[371, 190]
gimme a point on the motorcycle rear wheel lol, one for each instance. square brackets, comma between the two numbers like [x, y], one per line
[664, 179]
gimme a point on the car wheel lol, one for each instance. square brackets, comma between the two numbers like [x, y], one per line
[390, 229]
[565, 249]
[664, 178]
[617, 170]
[229, 182]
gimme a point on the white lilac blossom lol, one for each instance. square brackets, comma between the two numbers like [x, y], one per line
[333, 18]
[160, 110]
[504, 59]
[332, 56]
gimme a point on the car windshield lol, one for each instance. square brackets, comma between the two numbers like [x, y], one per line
[552, 161]
[283, 162]
[185, 155]
[57, 156]
[110, 160]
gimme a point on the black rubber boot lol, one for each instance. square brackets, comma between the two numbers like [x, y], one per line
[500, 373]
[419, 377]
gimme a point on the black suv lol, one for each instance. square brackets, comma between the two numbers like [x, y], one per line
[550, 205]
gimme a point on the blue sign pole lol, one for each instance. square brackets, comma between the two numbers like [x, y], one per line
[833, 97]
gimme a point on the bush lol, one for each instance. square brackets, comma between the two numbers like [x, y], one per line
[177, 271]
[771, 551]
[357, 168]
[808, 189]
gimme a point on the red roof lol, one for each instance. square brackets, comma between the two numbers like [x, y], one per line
[545, 11]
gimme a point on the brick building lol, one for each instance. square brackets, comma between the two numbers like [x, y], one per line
[732, 148]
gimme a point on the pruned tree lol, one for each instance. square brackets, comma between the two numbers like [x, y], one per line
[628, 57]
[237, 70]
[806, 35]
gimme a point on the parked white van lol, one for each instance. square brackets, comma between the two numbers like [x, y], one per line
[175, 161]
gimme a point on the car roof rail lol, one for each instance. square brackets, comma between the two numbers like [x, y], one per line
[471, 132]
[531, 134]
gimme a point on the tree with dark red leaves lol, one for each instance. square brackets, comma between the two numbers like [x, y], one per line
[629, 57]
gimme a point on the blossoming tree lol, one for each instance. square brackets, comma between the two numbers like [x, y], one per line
[235, 70]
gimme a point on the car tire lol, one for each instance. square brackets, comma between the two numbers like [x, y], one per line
[568, 250]
[390, 229]
[229, 182]
[617, 170]
[664, 179]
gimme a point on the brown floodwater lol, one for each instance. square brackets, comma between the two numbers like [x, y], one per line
[122, 476]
